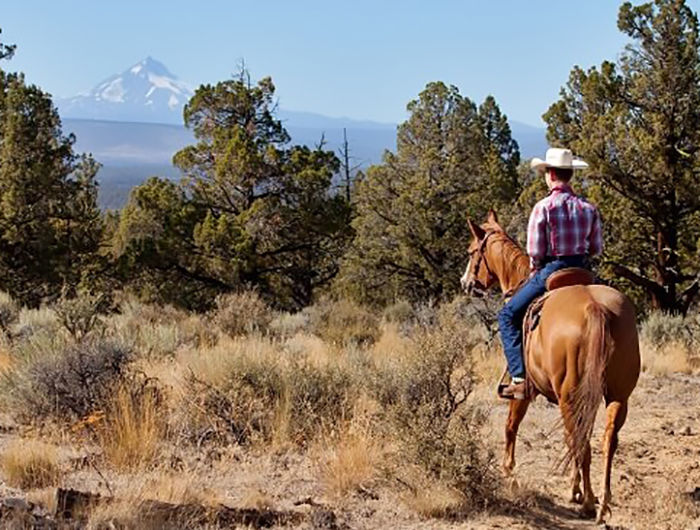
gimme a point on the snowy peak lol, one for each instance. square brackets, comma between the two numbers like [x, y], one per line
[147, 91]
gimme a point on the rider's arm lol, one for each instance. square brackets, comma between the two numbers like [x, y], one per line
[595, 247]
[537, 236]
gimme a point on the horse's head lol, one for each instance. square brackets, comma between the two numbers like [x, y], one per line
[479, 276]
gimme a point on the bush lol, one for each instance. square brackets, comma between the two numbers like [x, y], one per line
[343, 322]
[287, 325]
[81, 314]
[248, 391]
[400, 312]
[9, 311]
[662, 328]
[241, 313]
[425, 397]
[68, 381]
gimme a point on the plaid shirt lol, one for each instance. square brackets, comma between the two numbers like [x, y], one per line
[563, 224]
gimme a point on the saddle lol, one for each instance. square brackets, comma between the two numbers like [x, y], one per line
[561, 278]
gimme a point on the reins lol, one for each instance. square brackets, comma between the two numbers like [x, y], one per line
[482, 259]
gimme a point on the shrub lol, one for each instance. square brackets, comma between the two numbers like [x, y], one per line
[668, 343]
[9, 311]
[289, 324]
[661, 328]
[249, 391]
[241, 313]
[400, 312]
[80, 314]
[343, 322]
[33, 322]
[425, 397]
[30, 464]
[66, 380]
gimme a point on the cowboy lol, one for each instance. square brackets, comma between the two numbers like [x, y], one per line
[563, 231]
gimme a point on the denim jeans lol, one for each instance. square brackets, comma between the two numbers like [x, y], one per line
[510, 318]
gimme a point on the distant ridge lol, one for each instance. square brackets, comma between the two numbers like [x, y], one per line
[132, 123]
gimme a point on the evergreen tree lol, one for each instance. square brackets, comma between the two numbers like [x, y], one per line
[251, 211]
[50, 226]
[638, 125]
[453, 160]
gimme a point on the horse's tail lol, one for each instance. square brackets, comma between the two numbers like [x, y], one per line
[597, 342]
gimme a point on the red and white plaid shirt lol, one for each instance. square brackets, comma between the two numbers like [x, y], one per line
[563, 224]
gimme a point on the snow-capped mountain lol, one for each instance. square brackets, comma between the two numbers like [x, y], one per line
[146, 92]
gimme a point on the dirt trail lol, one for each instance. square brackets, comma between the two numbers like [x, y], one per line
[657, 461]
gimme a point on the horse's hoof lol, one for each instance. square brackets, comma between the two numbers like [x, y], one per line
[514, 485]
[604, 510]
[587, 511]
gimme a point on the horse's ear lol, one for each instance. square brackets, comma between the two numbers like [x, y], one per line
[492, 218]
[476, 230]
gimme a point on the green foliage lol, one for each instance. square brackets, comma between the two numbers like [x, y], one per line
[453, 161]
[50, 226]
[637, 123]
[251, 211]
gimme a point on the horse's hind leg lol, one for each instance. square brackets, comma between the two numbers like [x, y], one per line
[616, 415]
[576, 493]
[582, 466]
[516, 413]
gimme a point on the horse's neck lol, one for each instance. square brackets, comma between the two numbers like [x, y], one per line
[512, 267]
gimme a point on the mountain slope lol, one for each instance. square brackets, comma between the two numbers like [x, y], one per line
[145, 92]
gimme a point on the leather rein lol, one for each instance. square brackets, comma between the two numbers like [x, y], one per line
[482, 259]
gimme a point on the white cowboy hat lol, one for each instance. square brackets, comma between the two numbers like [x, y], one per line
[557, 157]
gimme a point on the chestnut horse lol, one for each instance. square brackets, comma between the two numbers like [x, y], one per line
[584, 349]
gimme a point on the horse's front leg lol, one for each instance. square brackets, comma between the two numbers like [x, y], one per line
[518, 409]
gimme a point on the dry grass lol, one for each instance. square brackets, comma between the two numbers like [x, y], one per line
[349, 461]
[434, 500]
[30, 464]
[133, 429]
[666, 359]
[256, 499]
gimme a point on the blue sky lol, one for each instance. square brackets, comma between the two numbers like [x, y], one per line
[360, 59]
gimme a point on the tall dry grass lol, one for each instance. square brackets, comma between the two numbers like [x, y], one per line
[29, 464]
[669, 343]
[133, 430]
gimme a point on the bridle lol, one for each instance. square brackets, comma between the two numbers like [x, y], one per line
[476, 285]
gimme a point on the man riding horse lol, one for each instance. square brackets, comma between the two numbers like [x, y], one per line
[585, 347]
[563, 231]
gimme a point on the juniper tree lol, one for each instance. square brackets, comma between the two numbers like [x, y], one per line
[252, 210]
[453, 160]
[50, 226]
[637, 123]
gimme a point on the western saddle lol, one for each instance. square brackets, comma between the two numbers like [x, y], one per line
[561, 278]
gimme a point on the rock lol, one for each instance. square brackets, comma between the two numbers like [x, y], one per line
[695, 494]
[687, 431]
[17, 503]
[324, 520]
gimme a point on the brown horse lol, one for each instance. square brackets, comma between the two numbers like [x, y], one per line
[585, 348]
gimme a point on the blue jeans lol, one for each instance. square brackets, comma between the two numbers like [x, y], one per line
[510, 318]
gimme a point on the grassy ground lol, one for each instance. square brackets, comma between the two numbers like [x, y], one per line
[350, 418]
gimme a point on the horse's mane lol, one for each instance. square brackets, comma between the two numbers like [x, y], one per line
[514, 255]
